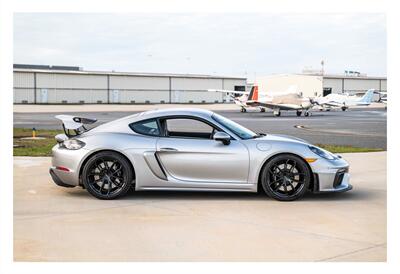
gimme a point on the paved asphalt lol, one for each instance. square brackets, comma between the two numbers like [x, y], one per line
[357, 127]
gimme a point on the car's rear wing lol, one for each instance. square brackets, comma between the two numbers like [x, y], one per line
[73, 125]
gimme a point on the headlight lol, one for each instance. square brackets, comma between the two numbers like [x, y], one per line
[72, 144]
[323, 153]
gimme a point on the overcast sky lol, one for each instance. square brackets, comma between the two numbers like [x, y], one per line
[224, 44]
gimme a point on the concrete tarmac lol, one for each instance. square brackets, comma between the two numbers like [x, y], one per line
[52, 223]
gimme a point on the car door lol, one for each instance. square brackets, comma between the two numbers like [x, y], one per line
[201, 159]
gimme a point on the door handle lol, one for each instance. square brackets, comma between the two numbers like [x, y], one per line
[168, 149]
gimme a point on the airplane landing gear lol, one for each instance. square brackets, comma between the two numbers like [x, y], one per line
[277, 112]
[243, 109]
[306, 114]
[262, 109]
[344, 108]
[298, 113]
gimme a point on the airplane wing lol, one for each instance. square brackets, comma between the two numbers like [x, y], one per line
[332, 104]
[229, 91]
[272, 106]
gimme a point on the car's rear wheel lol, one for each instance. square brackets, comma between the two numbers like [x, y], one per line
[285, 177]
[107, 175]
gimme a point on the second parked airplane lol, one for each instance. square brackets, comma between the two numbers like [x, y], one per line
[289, 100]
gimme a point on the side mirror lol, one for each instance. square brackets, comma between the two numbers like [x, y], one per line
[222, 137]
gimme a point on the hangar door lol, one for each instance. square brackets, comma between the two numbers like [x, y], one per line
[327, 91]
[115, 96]
[44, 98]
[177, 96]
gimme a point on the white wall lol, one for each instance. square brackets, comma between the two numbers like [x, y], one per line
[309, 85]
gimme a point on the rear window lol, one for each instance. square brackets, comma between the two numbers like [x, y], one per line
[148, 127]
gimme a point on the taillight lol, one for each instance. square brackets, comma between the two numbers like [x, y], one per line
[62, 168]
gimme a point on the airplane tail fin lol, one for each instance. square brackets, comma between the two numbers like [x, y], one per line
[368, 96]
[253, 96]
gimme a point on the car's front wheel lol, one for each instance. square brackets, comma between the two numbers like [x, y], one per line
[285, 177]
[107, 175]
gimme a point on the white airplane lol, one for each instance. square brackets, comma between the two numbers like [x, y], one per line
[343, 101]
[289, 100]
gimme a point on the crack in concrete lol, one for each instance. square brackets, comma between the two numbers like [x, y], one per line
[352, 252]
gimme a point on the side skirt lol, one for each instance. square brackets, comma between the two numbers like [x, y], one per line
[198, 189]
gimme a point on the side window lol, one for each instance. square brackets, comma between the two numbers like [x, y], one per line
[147, 127]
[188, 128]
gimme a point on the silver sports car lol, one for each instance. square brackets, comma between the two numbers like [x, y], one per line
[189, 149]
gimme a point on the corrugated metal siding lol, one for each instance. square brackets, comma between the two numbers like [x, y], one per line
[71, 81]
[185, 96]
[23, 96]
[195, 84]
[139, 83]
[384, 85]
[23, 80]
[58, 88]
[230, 84]
[360, 85]
[335, 84]
[76, 96]
[142, 96]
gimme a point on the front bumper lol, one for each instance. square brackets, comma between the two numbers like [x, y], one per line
[331, 176]
[328, 182]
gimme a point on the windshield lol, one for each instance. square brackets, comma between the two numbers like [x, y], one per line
[239, 130]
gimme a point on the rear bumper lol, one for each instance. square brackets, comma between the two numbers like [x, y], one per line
[65, 165]
[57, 179]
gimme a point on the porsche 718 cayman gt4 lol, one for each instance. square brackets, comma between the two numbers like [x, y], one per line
[189, 149]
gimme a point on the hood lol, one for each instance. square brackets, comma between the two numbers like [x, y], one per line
[281, 137]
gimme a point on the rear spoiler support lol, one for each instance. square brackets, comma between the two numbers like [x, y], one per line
[73, 125]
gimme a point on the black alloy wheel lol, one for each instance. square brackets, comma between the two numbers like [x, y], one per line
[285, 177]
[107, 175]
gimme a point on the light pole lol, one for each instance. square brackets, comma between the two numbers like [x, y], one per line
[322, 65]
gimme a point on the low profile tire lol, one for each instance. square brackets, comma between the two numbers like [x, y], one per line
[107, 175]
[285, 177]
